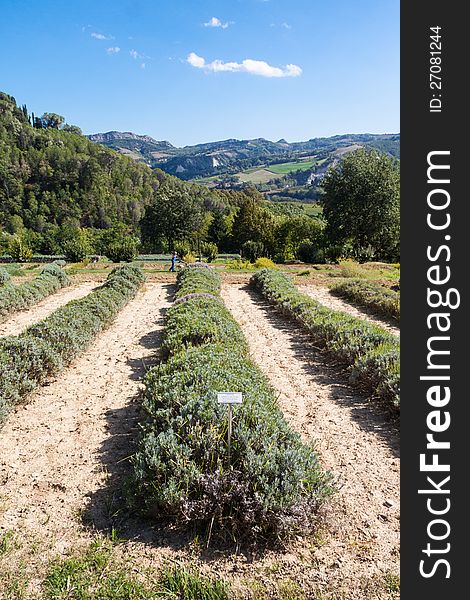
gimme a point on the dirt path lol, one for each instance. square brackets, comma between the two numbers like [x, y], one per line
[356, 443]
[325, 297]
[53, 451]
[20, 321]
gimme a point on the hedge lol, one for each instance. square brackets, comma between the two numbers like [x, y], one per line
[378, 299]
[18, 297]
[273, 484]
[371, 353]
[42, 350]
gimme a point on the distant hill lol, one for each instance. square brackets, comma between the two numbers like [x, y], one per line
[232, 155]
[139, 147]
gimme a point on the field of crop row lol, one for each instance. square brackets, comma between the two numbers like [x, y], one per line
[167, 456]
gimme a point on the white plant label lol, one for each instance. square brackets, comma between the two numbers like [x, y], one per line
[229, 397]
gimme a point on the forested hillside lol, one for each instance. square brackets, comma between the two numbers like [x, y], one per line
[55, 183]
[60, 193]
[53, 176]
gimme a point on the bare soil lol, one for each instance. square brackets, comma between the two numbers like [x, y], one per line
[357, 443]
[55, 451]
[23, 319]
[325, 297]
[64, 463]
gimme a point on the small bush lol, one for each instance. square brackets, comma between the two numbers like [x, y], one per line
[252, 250]
[4, 276]
[377, 298]
[19, 250]
[210, 251]
[122, 251]
[273, 484]
[239, 264]
[182, 248]
[45, 348]
[18, 297]
[370, 352]
[76, 250]
[264, 263]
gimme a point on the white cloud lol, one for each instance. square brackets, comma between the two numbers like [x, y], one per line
[135, 55]
[101, 36]
[286, 25]
[196, 61]
[254, 67]
[142, 66]
[215, 22]
[113, 50]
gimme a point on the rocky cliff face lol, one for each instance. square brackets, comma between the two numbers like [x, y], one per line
[111, 137]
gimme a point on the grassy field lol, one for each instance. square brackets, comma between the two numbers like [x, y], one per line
[257, 176]
[283, 168]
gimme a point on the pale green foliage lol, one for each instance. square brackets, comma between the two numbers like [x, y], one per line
[48, 346]
[273, 483]
[371, 353]
[18, 297]
[379, 299]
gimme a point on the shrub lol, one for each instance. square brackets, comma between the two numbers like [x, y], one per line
[238, 264]
[264, 263]
[377, 298]
[370, 352]
[45, 348]
[252, 250]
[182, 248]
[273, 484]
[18, 297]
[210, 251]
[4, 276]
[56, 271]
[76, 250]
[122, 251]
[189, 258]
[196, 279]
[305, 251]
[19, 250]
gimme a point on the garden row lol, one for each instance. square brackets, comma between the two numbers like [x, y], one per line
[271, 482]
[371, 353]
[45, 348]
[378, 299]
[18, 297]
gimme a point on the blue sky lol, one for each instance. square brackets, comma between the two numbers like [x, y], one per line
[191, 71]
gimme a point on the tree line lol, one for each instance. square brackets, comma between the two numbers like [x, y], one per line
[62, 194]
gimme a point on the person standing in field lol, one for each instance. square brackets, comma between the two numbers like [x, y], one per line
[174, 257]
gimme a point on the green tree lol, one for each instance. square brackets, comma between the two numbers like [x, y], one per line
[77, 247]
[72, 129]
[362, 204]
[174, 215]
[219, 229]
[254, 223]
[122, 250]
[52, 120]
